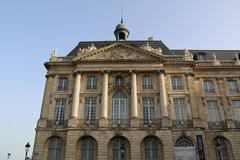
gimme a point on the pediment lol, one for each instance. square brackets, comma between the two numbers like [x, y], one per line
[119, 52]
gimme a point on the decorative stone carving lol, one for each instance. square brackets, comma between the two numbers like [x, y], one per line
[53, 55]
[147, 47]
[187, 55]
[88, 49]
[237, 62]
[116, 54]
[215, 61]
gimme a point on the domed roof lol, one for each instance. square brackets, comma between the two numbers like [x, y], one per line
[121, 26]
[121, 32]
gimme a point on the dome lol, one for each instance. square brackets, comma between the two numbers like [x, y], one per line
[121, 32]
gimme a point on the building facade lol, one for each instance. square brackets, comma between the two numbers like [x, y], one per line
[139, 100]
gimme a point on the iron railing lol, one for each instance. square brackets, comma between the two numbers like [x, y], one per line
[119, 123]
[82, 123]
[217, 125]
[182, 124]
[57, 123]
[153, 123]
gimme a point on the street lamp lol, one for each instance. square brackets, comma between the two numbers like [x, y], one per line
[27, 146]
[8, 155]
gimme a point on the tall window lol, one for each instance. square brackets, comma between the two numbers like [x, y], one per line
[90, 110]
[180, 108]
[208, 86]
[120, 148]
[147, 82]
[88, 148]
[55, 149]
[59, 111]
[221, 149]
[148, 109]
[236, 109]
[177, 83]
[92, 82]
[119, 81]
[63, 84]
[151, 148]
[213, 111]
[119, 108]
[232, 86]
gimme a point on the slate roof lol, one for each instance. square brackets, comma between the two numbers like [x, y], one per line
[220, 54]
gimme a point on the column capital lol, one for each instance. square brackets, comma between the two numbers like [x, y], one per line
[160, 71]
[77, 72]
[189, 74]
[106, 71]
[50, 75]
[133, 71]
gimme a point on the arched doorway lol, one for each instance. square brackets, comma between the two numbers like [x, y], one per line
[88, 148]
[222, 149]
[185, 149]
[119, 108]
[119, 149]
[151, 148]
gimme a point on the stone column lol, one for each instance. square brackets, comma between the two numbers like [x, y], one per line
[46, 100]
[134, 106]
[193, 102]
[163, 100]
[75, 100]
[104, 107]
[226, 112]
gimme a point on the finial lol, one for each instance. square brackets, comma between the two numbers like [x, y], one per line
[53, 55]
[121, 20]
[215, 61]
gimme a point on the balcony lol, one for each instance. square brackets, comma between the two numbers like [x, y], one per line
[179, 124]
[217, 125]
[153, 123]
[57, 123]
[119, 123]
[91, 123]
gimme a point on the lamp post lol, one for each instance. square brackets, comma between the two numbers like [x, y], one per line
[27, 146]
[8, 155]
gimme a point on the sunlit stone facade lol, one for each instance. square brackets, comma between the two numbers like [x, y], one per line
[139, 100]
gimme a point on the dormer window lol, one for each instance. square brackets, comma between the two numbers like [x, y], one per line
[200, 56]
[119, 81]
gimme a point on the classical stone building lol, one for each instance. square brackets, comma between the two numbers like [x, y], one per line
[139, 100]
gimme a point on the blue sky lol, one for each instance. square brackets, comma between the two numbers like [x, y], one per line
[30, 30]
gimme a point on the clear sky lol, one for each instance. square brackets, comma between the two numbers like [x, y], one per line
[30, 30]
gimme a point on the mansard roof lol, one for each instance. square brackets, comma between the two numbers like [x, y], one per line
[138, 44]
[220, 54]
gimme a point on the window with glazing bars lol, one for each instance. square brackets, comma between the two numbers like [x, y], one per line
[119, 108]
[119, 149]
[147, 82]
[148, 109]
[90, 110]
[236, 109]
[119, 81]
[232, 86]
[180, 108]
[177, 83]
[221, 149]
[63, 84]
[150, 149]
[213, 111]
[54, 149]
[59, 113]
[208, 86]
[88, 148]
[92, 82]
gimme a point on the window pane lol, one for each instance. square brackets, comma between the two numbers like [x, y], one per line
[180, 108]
[221, 149]
[119, 149]
[90, 110]
[119, 80]
[177, 83]
[148, 109]
[232, 86]
[208, 86]
[88, 148]
[59, 111]
[63, 83]
[150, 148]
[147, 82]
[213, 111]
[54, 149]
[92, 82]
[236, 109]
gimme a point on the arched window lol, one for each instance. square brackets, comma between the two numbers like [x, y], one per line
[184, 141]
[151, 148]
[88, 148]
[119, 81]
[221, 148]
[119, 108]
[55, 149]
[120, 148]
[185, 149]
